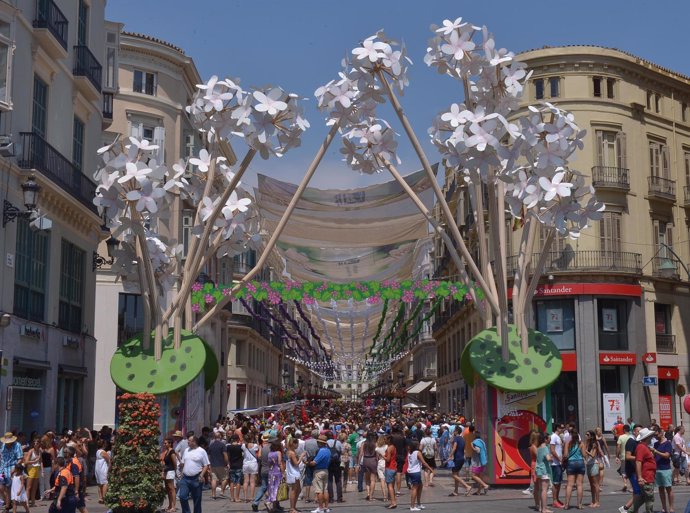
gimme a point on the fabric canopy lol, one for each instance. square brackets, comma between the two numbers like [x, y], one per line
[419, 387]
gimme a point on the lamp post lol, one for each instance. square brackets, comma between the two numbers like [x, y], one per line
[98, 261]
[30, 190]
[401, 382]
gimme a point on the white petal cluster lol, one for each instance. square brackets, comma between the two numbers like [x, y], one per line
[270, 120]
[352, 100]
[486, 138]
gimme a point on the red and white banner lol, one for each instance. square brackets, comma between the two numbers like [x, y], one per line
[665, 411]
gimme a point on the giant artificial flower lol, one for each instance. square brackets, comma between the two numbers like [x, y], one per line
[458, 45]
[270, 103]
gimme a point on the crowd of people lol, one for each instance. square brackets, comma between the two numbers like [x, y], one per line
[646, 457]
[314, 458]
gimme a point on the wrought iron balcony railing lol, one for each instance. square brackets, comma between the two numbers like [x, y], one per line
[611, 177]
[662, 187]
[686, 196]
[665, 343]
[39, 155]
[86, 65]
[584, 260]
[49, 16]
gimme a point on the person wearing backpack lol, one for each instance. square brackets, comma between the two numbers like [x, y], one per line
[335, 471]
[428, 447]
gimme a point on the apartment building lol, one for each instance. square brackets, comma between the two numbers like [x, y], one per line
[50, 124]
[613, 301]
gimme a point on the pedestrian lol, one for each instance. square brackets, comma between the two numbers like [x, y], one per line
[10, 454]
[311, 448]
[592, 458]
[381, 448]
[234, 459]
[267, 439]
[276, 468]
[169, 462]
[101, 468]
[630, 467]
[48, 457]
[556, 450]
[645, 466]
[620, 455]
[479, 461]
[456, 462]
[604, 459]
[65, 490]
[370, 464]
[345, 459]
[415, 464]
[32, 462]
[78, 471]
[335, 473]
[574, 449]
[19, 488]
[391, 469]
[542, 474]
[293, 472]
[428, 447]
[664, 474]
[679, 457]
[250, 465]
[398, 440]
[320, 465]
[195, 466]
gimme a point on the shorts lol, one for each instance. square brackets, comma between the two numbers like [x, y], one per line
[236, 476]
[577, 468]
[170, 475]
[218, 473]
[34, 472]
[634, 484]
[430, 461]
[664, 478]
[457, 466]
[390, 476]
[320, 481]
[477, 471]
[468, 461]
[593, 469]
[5, 480]
[353, 462]
[556, 474]
[400, 464]
[414, 478]
[308, 476]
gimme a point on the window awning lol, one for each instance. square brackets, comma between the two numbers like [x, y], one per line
[419, 387]
[73, 370]
[433, 389]
[32, 364]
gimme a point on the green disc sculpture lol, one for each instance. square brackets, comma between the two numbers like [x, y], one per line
[535, 370]
[135, 370]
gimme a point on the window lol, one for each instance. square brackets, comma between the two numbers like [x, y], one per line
[613, 324]
[611, 149]
[40, 107]
[78, 143]
[110, 68]
[649, 100]
[144, 82]
[31, 266]
[609, 87]
[663, 239]
[556, 319]
[684, 111]
[83, 24]
[653, 101]
[662, 319]
[596, 85]
[71, 287]
[149, 129]
[130, 317]
[6, 53]
[610, 234]
[187, 225]
[539, 89]
[658, 159]
[686, 158]
[555, 87]
[70, 399]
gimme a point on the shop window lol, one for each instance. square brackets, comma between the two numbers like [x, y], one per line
[556, 319]
[130, 317]
[564, 398]
[69, 394]
[613, 324]
[615, 379]
[71, 287]
[31, 264]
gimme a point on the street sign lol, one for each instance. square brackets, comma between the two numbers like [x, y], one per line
[649, 381]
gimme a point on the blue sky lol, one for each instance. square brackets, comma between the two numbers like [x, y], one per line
[299, 44]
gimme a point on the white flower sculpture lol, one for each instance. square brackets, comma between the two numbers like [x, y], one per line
[135, 193]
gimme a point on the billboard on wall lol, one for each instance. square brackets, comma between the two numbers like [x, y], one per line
[614, 406]
[665, 411]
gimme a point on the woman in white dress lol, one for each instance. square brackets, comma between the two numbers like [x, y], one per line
[381, 448]
[102, 468]
[250, 465]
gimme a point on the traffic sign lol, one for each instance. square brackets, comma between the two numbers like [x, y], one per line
[649, 381]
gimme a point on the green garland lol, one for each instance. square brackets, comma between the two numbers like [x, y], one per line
[397, 345]
[380, 326]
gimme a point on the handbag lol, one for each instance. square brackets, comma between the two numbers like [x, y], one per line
[282, 494]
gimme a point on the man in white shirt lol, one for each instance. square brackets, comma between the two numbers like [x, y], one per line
[556, 450]
[194, 465]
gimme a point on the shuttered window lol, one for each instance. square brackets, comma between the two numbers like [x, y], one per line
[611, 149]
[31, 266]
[72, 267]
[659, 160]
[610, 233]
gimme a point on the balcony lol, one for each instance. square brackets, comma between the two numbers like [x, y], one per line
[666, 267]
[39, 155]
[606, 177]
[686, 196]
[51, 29]
[665, 343]
[662, 188]
[107, 108]
[568, 260]
[429, 373]
[87, 72]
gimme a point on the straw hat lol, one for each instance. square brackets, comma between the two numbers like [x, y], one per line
[177, 434]
[8, 438]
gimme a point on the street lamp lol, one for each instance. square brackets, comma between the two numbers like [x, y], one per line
[30, 190]
[401, 382]
[98, 261]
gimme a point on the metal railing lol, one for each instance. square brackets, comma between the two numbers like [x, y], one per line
[607, 176]
[49, 16]
[584, 260]
[86, 65]
[666, 267]
[665, 343]
[108, 105]
[38, 154]
[664, 187]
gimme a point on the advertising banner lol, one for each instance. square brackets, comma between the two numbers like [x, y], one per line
[665, 411]
[613, 405]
